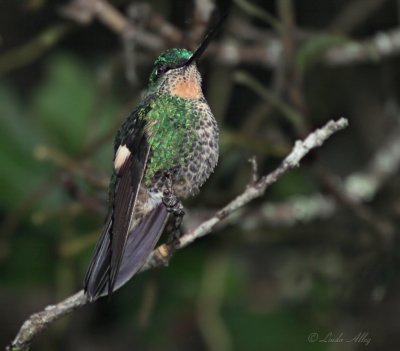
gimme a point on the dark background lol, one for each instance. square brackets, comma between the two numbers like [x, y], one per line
[317, 254]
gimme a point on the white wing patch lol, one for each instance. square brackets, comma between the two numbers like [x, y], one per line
[120, 157]
[155, 198]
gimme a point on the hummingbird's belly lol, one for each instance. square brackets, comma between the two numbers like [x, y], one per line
[196, 155]
[200, 163]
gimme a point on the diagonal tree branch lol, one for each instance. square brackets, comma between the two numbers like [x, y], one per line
[37, 322]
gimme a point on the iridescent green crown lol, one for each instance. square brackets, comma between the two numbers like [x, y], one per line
[169, 59]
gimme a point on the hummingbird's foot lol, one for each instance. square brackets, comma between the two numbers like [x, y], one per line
[173, 206]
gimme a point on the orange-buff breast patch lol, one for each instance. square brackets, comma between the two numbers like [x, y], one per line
[186, 89]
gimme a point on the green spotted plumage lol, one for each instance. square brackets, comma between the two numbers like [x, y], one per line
[170, 122]
[172, 135]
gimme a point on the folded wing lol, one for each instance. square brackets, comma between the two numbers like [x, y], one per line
[125, 241]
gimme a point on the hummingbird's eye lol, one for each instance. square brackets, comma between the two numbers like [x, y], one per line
[161, 70]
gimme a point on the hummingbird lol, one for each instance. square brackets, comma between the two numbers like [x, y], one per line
[167, 146]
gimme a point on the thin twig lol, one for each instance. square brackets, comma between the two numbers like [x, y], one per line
[259, 13]
[264, 49]
[37, 322]
[287, 111]
[44, 153]
[291, 72]
[354, 14]
[254, 170]
[85, 11]
[383, 44]
[201, 17]
[33, 49]
[361, 186]
[384, 229]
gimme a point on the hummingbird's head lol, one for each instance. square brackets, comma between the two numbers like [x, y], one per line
[169, 60]
[175, 72]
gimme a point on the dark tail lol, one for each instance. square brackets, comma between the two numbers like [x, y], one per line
[140, 243]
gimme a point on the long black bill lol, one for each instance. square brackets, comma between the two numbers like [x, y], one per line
[203, 46]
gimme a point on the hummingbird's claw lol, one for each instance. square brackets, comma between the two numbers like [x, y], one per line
[173, 206]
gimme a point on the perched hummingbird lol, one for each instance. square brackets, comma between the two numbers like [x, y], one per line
[169, 143]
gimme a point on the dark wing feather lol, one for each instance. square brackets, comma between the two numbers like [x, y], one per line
[129, 179]
[105, 265]
[99, 265]
[139, 245]
[141, 242]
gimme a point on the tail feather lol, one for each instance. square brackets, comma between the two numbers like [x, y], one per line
[99, 265]
[140, 243]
